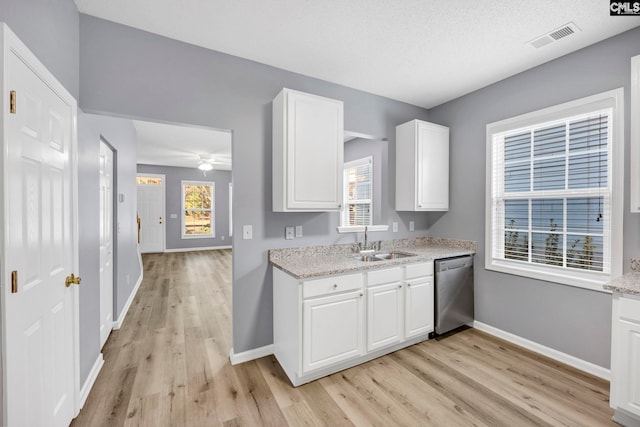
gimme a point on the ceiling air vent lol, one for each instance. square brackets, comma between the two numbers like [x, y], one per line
[557, 34]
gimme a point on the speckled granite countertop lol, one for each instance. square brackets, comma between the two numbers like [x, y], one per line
[628, 283]
[315, 261]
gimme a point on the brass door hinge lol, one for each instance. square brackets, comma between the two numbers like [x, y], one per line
[12, 102]
[14, 282]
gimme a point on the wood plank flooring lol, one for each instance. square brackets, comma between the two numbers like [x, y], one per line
[168, 366]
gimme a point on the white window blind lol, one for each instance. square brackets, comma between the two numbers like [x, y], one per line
[552, 194]
[357, 204]
[555, 192]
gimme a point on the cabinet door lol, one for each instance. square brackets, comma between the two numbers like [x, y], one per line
[419, 317]
[332, 329]
[432, 155]
[384, 315]
[314, 152]
[629, 375]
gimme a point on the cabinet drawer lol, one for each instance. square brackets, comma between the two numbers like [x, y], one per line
[330, 285]
[384, 276]
[629, 308]
[419, 270]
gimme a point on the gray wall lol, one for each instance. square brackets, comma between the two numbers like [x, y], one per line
[173, 198]
[121, 136]
[134, 73]
[568, 319]
[50, 29]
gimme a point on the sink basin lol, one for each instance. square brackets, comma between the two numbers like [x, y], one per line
[394, 255]
[367, 258]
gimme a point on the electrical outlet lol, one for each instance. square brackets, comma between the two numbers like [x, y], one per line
[395, 227]
[412, 226]
[247, 232]
[298, 231]
[288, 233]
[173, 216]
[221, 237]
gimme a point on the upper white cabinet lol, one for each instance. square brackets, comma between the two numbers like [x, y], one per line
[307, 152]
[422, 167]
[635, 134]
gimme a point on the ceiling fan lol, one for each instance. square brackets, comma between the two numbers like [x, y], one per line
[206, 162]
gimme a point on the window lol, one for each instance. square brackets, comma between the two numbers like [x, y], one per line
[357, 207]
[198, 209]
[554, 192]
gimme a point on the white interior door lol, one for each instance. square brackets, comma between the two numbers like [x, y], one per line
[151, 213]
[39, 324]
[106, 242]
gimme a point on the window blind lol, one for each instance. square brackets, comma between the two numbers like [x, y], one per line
[552, 195]
[357, 206]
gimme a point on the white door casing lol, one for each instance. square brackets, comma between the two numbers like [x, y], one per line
[151, 210]
[106, 242]
[39, 214]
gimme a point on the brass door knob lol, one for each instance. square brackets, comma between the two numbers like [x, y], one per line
[72, 280]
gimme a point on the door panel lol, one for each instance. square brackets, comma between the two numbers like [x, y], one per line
[151, 212]
[106, 242]
[39, 318]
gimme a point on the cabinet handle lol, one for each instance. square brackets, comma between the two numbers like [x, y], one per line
[408, 284]
[399, 286]
[361, 294]
[335, 286]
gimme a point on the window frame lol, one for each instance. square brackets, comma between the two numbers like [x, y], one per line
[212, 234]
[345, 190]
[594, 280]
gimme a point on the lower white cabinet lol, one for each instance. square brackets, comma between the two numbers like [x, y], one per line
[419, 316]
[332, 329]
[385, 307]
[324, 325]
[625, 359]
[419, 306]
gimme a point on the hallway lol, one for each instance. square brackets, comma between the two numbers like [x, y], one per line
[158, 366]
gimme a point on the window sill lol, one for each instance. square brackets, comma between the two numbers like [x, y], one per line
[586, 280]
[360, 228]
[199, 236]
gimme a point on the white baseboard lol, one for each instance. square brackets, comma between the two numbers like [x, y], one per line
[118, 323]
[568, 359]
[246, 356]
[208, 248]
[91, 379]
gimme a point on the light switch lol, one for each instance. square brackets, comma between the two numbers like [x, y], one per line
[298, 231]
[247, 232]
[288, 233]
[395, 227]
[412, 226]
[173, 216]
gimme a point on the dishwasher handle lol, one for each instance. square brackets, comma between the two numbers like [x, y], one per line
[454, 263]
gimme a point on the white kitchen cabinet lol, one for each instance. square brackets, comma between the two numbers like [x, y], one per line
[625, 359]
[422, 167]
[385, 308]
[326, 324]
[419, 304]
[634, 124]
[333, 329]
[307, 152]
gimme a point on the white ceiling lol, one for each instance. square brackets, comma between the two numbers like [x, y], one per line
[172, 145]
[423, 52]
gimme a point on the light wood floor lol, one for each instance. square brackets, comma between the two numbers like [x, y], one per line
[168, 366]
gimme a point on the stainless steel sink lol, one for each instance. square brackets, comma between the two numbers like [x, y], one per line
[367, 258]
[394, 255]
[382, 256]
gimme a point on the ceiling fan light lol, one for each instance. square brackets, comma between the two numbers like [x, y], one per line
[205, 166]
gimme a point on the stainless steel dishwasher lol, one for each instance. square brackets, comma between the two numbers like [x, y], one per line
[453, 293]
